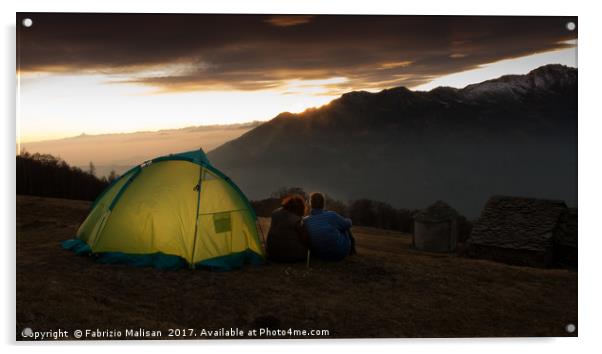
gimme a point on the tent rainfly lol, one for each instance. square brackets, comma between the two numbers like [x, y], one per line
[171, 212]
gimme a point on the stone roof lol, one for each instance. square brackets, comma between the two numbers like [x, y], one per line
[518, 223]
[437, 212]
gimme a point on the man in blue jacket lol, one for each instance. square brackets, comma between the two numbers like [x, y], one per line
[329, 233]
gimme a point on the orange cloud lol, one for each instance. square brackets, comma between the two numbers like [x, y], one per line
[289, 20]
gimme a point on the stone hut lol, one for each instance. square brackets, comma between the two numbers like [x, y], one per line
[436, 228]
[518, 230]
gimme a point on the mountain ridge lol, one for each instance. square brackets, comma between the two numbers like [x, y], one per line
[501, 136]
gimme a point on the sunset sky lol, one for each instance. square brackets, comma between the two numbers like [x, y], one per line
[101, 73]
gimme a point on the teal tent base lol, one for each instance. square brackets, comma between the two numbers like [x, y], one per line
[78, 246]
[157, 260]
[231, 261]
[164, 261]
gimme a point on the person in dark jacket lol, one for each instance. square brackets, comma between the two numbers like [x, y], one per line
[287, 239]
[329, 233]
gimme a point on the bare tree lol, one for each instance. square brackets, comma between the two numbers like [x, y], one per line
[112, 176]
[92, 169]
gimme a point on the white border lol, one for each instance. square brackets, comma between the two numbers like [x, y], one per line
[589, 166]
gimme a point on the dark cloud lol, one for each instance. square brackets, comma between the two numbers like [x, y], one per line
[250, 52]
[289, 20]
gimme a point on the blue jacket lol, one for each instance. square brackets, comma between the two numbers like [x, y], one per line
[328, 234]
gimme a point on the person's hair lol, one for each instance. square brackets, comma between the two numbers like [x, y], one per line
[294, 203]
[316, 199]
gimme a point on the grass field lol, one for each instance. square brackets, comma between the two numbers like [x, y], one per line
[387, 290]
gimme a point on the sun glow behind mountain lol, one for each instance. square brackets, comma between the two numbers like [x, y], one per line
[57, 105]
[79, 75]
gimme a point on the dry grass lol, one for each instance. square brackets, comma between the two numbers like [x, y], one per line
[388, 290]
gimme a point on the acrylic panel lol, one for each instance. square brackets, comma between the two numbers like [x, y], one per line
[218, 176]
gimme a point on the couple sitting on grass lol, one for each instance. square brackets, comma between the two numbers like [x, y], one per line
[292, 233]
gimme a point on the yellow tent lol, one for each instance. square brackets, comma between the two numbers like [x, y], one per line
[169, 212]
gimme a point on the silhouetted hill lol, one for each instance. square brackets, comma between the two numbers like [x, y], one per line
[515, 135]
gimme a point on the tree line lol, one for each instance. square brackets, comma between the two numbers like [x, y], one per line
[363, 212]
[49, 176]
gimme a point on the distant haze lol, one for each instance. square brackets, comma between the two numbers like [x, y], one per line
[119, 152]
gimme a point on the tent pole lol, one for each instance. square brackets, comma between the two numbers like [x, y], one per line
[261, 231]
[196, 222]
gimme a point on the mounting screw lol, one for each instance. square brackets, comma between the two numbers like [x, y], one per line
[570, 328]
[570, 26]
[27, 332]
[27, 22]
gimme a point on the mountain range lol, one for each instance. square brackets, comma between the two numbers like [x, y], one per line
[515, 135]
